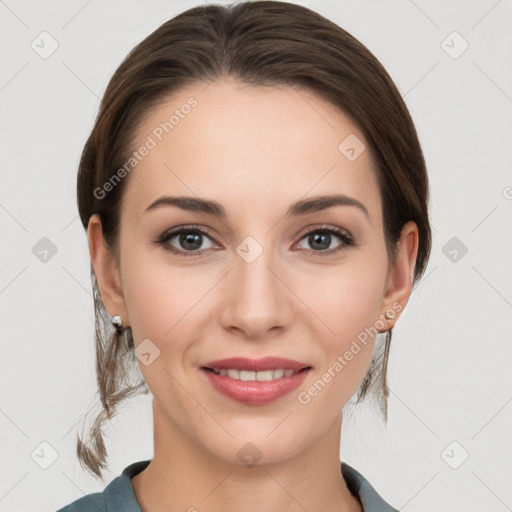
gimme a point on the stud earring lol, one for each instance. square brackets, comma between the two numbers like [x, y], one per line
[117, 322]
[390, 315]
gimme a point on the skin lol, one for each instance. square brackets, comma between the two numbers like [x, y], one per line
[255, 150]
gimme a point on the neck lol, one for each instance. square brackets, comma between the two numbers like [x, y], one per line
[184, 476]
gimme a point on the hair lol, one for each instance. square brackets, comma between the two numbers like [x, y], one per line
[259, 43]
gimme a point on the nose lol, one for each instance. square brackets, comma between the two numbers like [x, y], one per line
[258, 301]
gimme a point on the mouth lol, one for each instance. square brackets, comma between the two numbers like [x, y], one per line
[255, 381]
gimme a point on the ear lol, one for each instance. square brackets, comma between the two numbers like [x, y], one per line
[107, 272]
[400, 275]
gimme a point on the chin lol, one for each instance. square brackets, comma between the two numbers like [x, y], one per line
[253, 448]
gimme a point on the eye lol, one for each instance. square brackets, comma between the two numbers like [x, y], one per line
[320, 240]
[188, 239]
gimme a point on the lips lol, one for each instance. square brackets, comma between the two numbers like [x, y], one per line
[255, 381]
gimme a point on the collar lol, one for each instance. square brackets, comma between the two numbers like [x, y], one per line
[119, 495]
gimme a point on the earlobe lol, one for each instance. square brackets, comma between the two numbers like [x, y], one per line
[105, 268]
[401, 275]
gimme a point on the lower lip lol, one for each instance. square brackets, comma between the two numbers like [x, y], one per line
[255, 392]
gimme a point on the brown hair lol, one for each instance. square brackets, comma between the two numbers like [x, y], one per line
[257, 43]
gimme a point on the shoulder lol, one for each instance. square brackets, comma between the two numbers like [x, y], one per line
[359, 486]
[118, 495]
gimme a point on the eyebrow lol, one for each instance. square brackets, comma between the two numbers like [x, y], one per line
[302, 207]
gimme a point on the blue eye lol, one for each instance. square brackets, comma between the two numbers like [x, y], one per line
[191, 240]
[320, 239]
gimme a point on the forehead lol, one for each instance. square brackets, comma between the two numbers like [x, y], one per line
[249, 148]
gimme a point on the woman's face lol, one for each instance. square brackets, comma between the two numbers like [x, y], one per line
[260, 281]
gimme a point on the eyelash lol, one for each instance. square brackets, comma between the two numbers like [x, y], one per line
[347, 240]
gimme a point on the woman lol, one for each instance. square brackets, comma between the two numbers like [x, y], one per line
[256, 205]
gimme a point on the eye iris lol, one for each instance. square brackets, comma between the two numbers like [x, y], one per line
[317, 238]
[189, 238]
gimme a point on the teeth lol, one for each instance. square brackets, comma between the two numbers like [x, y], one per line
[246, 375]
[234, 374]
[267, 375]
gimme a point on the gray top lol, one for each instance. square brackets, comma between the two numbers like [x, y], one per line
[118, 495]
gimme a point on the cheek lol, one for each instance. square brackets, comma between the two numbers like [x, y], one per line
[164, 301]
[162, 305]
[349, 306]
[345, 300]
[346, 304]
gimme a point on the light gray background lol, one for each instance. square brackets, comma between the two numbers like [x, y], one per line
[450, 365]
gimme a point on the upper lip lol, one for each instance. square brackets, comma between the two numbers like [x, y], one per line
[257, 365]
